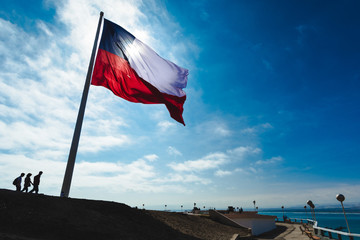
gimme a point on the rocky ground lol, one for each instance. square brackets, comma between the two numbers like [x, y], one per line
[28, 217]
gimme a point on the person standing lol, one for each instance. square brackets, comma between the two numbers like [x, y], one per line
[17, 182]
[36, 183]
[27, 182]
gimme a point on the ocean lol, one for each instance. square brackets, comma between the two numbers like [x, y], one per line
[325, 219]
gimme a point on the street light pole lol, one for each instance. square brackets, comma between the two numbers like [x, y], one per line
[312, 207]
[314, 212]
[341, 198]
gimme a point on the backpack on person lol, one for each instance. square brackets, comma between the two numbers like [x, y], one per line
[15, 181]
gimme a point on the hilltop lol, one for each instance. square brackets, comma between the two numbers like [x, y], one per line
[32, 217]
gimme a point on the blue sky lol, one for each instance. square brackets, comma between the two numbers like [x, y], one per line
[272, 110]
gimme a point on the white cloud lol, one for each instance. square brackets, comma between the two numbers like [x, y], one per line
[222, 130]
[210, 161]
[138, 176]
[173, 151]
[266, 126]
[187, 178]
[98, 143]
[257, 129]
[249, 130]
[253, 170]
[81, 36]
[165, 125]
[40, 91]
[242, 152]
[272, 160]
[214, 128]
[151, 157]
[43, 26]
[221, 173]
[215, 160]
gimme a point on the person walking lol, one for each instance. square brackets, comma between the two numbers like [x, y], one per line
[36, 183]
[17, 182]
[27, 182]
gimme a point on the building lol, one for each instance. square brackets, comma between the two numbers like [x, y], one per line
[255, 222]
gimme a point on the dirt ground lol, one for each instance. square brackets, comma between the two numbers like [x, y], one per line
[33, 217]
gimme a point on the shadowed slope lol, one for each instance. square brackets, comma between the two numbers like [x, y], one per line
[29, 216]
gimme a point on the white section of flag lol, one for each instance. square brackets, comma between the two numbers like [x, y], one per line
[166, 76]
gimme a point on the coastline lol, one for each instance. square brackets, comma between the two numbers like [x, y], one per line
[330, 220]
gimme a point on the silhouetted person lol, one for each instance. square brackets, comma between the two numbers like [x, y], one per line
[17, 182]
[27, 182]
[36, 183]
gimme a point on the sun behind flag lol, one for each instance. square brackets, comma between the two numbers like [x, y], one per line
[133, 71]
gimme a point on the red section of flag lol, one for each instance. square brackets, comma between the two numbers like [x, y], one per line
[115, 73]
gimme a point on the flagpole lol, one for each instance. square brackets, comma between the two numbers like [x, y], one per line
[75, 141]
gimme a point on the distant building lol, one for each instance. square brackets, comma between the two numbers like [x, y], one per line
[255, 222]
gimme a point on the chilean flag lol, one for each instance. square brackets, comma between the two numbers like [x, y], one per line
[133, 71]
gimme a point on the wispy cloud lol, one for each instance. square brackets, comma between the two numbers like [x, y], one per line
[214, 128]
[221, 173]
[210, 161]
[186, 178]
[215, 160]
[257, 129]
[43, 26]
[151, 157]
[173, 151]
[272, 160]
[165, 125]
[241, 152]
[222, 130]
